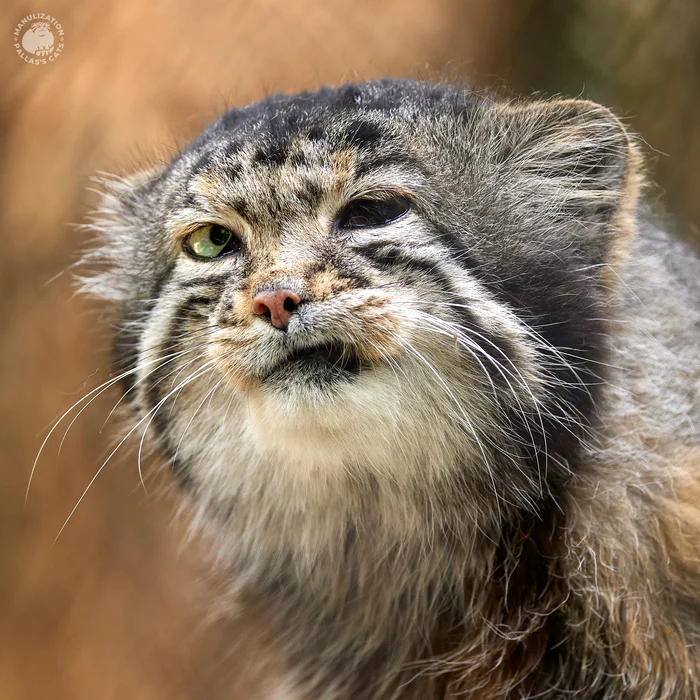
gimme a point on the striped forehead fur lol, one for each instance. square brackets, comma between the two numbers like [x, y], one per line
[464, 500]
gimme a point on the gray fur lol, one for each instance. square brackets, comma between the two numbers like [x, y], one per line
[500, 504]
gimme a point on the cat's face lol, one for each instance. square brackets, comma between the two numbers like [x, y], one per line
[376, 280]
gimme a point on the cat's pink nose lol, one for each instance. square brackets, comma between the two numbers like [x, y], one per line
[279, 303]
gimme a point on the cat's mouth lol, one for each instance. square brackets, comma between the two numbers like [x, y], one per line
[323, 361]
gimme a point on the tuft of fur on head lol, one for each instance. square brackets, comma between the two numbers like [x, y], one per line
[427, 479]
[109, 267]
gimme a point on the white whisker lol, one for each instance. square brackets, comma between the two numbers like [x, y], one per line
[189, 379]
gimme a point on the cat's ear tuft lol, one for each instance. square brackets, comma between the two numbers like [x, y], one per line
[105, 267]
[571, 165]
[575, 157]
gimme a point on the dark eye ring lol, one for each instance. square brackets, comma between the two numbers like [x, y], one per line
[211, 241]
[369, 212]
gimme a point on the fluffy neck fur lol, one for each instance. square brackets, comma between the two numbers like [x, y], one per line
[381, 593]
[394, 553]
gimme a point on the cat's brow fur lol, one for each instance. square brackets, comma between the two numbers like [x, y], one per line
[505, 501]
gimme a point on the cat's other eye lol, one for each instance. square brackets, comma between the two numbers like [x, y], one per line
[371, 213]
[211, 241]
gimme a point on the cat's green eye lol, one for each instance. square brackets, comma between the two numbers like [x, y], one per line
[212, 241]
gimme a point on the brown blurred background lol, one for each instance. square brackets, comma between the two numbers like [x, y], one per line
[116, 607]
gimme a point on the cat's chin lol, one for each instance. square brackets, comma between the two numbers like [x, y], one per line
[316, 399]
[319, 366]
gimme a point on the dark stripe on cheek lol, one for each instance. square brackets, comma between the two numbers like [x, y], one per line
[154, 395]
[558, 304]
[342, 268]
[157, 386]
[392, 257]
[125, 350]
[125, 353]
[461, 254]
[155, 380]
[196, 309]
[198, 301]
[210, 281]
[162, 278]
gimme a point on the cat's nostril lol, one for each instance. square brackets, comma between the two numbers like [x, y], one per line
[278, 303]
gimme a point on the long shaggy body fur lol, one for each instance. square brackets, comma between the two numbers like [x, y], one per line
[501, 500]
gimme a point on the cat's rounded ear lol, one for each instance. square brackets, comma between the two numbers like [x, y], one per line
[573, 159]
[116, 225]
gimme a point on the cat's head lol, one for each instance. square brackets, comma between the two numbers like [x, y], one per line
[387, 283]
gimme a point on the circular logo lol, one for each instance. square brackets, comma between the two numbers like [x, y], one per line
[39, 39]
